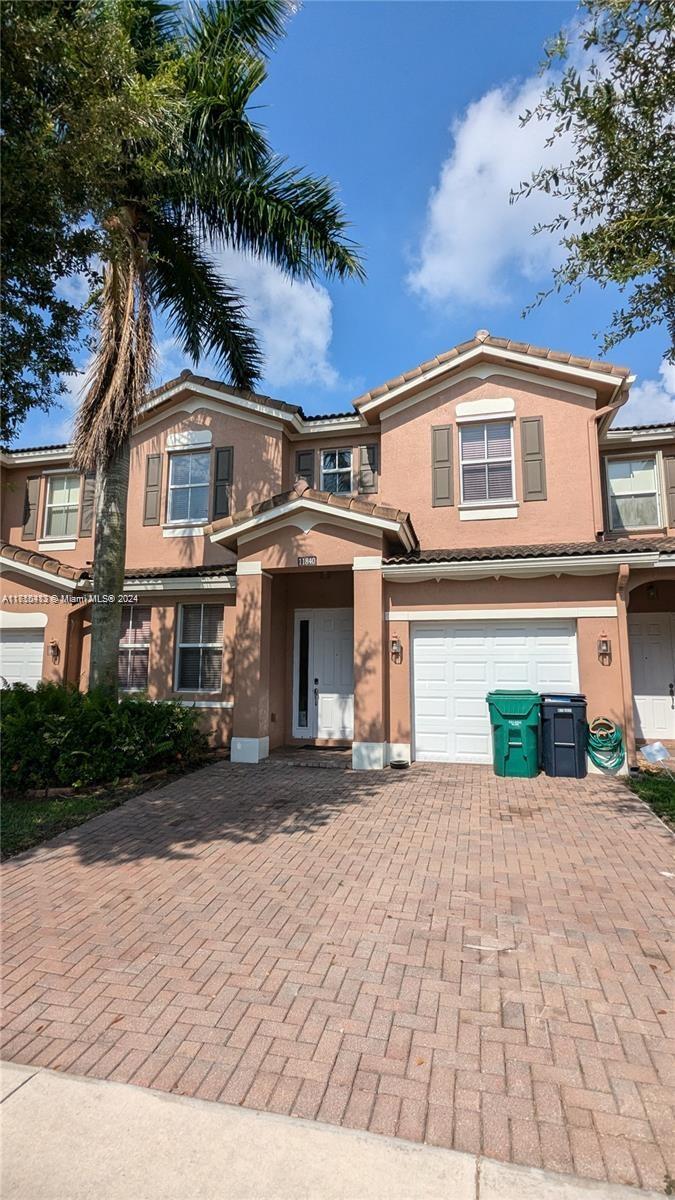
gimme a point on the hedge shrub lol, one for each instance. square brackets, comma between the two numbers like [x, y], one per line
[57, 736]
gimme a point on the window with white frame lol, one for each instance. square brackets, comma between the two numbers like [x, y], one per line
[336, 470]
[134, 648]
[200, 648]
[633, 493]
[486, 462]
[62, 506]
[189, 476]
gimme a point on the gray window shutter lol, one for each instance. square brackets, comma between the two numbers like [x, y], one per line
[441, 466]
[534, 464]
[368, 468]
[30, 509]
[669, 468]
[87, 505]
[222, 484]
[153, 488]
[304, 466]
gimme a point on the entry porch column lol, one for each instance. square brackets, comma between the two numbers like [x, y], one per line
[251, 717]
[369, 745]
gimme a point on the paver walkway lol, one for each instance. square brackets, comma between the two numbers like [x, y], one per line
[433, 954]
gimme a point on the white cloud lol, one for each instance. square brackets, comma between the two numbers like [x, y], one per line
[293, 322]
[474, 242]
[651, 402]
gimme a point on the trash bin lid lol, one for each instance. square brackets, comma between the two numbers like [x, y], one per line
[510, 702]
[562, 698]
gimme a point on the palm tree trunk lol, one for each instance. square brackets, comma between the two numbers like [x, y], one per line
[112, 483]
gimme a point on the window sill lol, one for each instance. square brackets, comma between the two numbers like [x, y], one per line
[186, 530]
[490, 511]
[57, 544]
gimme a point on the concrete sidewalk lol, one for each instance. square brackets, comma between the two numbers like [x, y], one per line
[68, 1138]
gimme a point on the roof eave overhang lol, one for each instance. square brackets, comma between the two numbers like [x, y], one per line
[637, 436]
[62, 582]
[295, 425]
[496, 568]
[319, 513]
[597, 381]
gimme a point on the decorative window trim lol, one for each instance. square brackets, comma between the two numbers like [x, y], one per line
[503, 501]
[200, 645]
[128, 646]
[53, 477]
[179, 487]
[337, 470]
[656, 457]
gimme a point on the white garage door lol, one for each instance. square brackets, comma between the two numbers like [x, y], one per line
[455, 665]
[21, 655]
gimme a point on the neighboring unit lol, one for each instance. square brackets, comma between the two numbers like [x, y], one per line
[477, 523]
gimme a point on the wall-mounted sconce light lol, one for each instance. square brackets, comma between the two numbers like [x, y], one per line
[396, 650]
[651, 591]
[54, 650]
[604, 649]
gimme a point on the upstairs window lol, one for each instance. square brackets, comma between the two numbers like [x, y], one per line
[134, 650]
[486, 459]
[62, 505]
[336, 471]
[200, 648]
[633, 494]
[189, 476]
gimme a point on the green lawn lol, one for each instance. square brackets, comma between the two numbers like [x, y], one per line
[27, 822]
[658, 791]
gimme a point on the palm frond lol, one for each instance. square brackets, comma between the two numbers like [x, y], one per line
[254, 24]
[205, 312]
[291, 219]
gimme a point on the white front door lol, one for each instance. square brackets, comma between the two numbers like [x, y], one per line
[323, 673]
[652, 664]
[456, 663]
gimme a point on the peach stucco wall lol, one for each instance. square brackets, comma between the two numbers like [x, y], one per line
[565, 516]
[64, 624]
[601, 682]
[333, 546]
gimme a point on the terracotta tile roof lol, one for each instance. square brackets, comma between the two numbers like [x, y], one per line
[188, 377]
[34, 449]
[483, 338]
[639, 428]
[181, 572]
[42, 562]
[356, 504]
[614, 546]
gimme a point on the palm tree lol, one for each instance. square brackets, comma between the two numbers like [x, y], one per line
[209, 180]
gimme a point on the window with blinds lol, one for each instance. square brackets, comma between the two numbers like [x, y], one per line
[200, 648]
[62, 505]
[134, 649]
[486, 460]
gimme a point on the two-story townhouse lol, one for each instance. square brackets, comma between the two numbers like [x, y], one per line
[366, 578]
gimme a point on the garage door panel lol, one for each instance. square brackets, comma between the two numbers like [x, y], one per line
[468, 671]
[21, 652]
[433, 706]
[454, 669]
[510, 674]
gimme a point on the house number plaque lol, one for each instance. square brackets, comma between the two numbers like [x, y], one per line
[307, 560]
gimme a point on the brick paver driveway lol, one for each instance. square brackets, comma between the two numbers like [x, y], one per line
[433, 954]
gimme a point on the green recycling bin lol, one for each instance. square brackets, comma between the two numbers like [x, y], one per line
[515, 732]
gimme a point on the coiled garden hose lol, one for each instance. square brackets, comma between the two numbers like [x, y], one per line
[605, 744]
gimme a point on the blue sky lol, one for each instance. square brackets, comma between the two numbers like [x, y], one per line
[411, 108]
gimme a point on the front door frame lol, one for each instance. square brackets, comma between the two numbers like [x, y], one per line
[635, 619]
[308, 614]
